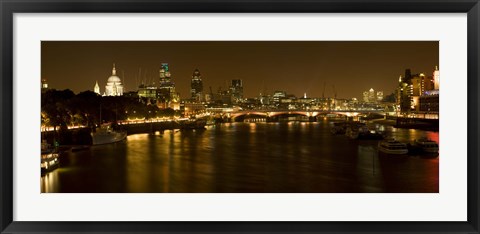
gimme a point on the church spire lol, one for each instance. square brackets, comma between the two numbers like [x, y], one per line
[114, 71]
[96, 89]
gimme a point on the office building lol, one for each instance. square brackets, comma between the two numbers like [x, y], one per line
[196, 86]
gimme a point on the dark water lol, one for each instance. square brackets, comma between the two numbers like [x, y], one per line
[246, 157]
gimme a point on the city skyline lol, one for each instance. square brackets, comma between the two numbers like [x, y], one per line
[157, 121]
[262, 66]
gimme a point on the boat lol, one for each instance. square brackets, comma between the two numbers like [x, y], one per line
[424, 145]
[106, 135]
[49, 161]
[391, 146]
[49, 158]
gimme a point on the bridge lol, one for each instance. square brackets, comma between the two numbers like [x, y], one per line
[307, 113]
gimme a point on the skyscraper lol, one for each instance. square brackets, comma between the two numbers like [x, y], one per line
[236, 89]
[371, 95]
[167, 94]
[365, 96]
[164, 74]
[196, 86]
[166, 86]
[379, 96]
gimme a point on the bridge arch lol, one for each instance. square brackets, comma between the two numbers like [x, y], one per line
[253, 113]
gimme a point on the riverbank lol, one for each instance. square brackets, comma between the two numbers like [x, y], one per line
[82, 136]
[415, 125]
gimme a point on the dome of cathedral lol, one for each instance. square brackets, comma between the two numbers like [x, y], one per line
[114, 85]
[114, 79]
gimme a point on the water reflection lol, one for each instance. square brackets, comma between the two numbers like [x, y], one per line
[246, 157]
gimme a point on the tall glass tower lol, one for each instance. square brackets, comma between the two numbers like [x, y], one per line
[166, 86]
[236, 89]
[196, 86]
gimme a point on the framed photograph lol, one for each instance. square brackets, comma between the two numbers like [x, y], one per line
[233, 116]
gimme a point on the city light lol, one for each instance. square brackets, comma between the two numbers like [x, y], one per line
[239, 117]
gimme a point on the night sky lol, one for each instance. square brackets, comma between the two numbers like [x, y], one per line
[294, 66]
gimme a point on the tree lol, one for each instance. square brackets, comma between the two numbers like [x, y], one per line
[55, 107]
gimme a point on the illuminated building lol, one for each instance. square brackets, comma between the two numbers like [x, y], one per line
[428, 84]
[168, 97]
[114, 85]
[189, 108]
[365, 96]
[414, 92]
[420, 83]
[403, 94]
[196, 86]
[44, 85]
[236, 89]
[429, 101]
[264, 99]
[208, 97]
[96, 89]
[379, 96]
[371, 97]
[167, 87]
[164, 74]
[418, 89]
[148, 91]
[277, 95]
[436, 78]
[223, 96]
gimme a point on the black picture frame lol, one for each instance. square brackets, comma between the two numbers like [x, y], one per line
[9, 7]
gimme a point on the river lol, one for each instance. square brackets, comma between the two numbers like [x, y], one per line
[294, 157]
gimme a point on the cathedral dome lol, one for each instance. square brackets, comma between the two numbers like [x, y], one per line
[114, 85]
[114, 79]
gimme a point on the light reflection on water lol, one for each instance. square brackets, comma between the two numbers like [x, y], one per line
[246, 157]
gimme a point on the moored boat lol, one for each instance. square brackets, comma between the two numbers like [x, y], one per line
[106, 135]
[49, 162]
[49, 158]
[391, 146]
[425, 145]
